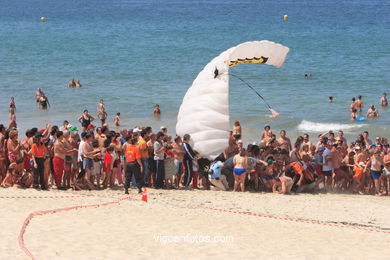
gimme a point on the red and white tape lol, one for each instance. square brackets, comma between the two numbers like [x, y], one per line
[44, 212]
[279, 218]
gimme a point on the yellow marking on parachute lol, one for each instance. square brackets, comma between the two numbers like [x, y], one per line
[253, 60]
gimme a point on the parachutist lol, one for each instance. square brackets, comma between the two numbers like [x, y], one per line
[216, 72]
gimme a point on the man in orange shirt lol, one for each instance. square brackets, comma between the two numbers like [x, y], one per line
[38, 152]
[143, 148]
[133, 166]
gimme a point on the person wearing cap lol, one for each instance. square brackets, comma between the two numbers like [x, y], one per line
[38, 153]
[187, 160]
[159, 150]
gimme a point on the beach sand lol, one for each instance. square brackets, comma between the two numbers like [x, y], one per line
[132, 229]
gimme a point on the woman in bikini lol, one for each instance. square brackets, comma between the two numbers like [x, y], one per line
[237, 130]
[375, 164]
[240, 162]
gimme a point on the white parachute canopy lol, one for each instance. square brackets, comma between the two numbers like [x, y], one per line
[204, 113]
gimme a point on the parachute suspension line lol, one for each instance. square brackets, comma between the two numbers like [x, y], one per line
[274, 113]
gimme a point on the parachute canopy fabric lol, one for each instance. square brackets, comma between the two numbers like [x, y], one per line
[204, 112]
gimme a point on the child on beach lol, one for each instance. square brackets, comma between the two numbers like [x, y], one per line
[108, 166]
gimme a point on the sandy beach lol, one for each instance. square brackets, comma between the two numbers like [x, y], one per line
[134, 229]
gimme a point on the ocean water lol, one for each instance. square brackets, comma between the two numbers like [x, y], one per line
[134, 54]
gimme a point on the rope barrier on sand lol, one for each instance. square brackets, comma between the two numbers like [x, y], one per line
[278, 218]
[59, 197]
[44, 212]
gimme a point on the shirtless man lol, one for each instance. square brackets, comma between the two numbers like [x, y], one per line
[284, 142]
[72, 84]
[68, 160]
[101, 106]
[12, 107]
[340, 137]
[352, 109]
[88, 154]
[78, 84]
[178, 154]
[282, 185]
[117, 119]
[340, 176]
[60, 151]
[12, 122]
[372, 112]
[156, 111]
[383, 100]
[359, 105]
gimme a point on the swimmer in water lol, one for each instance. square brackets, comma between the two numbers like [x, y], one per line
[330, 99]
[157, 111]
[383, 100]
[72, 84]
[38, 95]
[12, 107]
[78, 84]
[359, 105]
[372, 112]
[308, 75]
[43, 102]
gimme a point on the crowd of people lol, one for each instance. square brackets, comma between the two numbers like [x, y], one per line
[100, 158]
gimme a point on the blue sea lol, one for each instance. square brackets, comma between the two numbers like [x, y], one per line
[134, 54]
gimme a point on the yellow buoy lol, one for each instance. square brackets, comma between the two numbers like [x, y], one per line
[43, 19]
[285, 17]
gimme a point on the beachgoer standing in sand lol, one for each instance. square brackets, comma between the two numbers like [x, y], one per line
[240, 162]
[187, 160]
[284, 142]
[383, 100]
[159, 150]
[133, 166]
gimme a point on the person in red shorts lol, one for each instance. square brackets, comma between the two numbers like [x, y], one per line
[60, 151]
